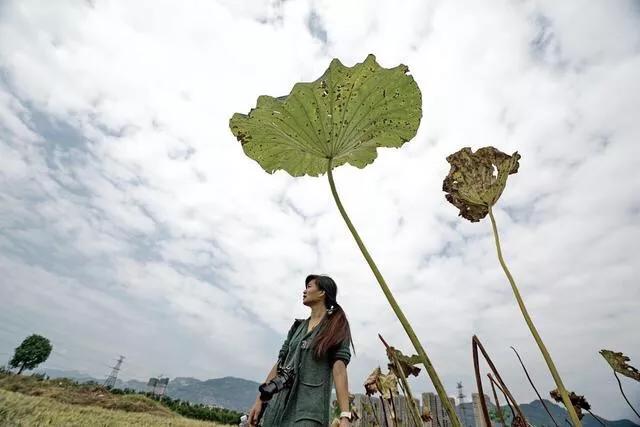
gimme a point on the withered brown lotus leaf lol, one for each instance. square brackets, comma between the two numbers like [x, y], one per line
[579, 402]
[371, 383]
[406, 362]
[426, 415]
[518, 421]
[388, 385]
[618, 362]
[476, 180]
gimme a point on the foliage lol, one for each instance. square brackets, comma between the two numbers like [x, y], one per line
[34, 350]
[476, 180]
[335, 409]
[200, 411]
[618, 362]
[426, 415]
[187, 409]
[497, 415]
[20, 409]
[402, 366]
[68, 391]
[579, 402]
[385, 384]
[342, 117]
[474, 185]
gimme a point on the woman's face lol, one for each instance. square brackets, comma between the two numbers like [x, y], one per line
[312, 294]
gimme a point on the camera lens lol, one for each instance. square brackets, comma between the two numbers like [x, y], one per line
[281, 381]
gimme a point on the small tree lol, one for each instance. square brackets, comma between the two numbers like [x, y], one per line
[34, 350]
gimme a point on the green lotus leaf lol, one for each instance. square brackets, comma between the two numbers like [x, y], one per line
[345, 115]
[618, 362]
[476, 180]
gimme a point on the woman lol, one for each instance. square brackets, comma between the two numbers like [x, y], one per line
[318, 347]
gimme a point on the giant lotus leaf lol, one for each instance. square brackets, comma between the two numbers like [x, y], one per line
[345, 115]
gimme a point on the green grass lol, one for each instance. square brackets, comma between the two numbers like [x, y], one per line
[17, 409]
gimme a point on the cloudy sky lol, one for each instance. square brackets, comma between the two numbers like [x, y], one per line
[132, 223]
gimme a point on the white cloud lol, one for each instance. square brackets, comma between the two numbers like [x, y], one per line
[132, 201]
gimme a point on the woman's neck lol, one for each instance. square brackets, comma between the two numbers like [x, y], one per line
[317, 312]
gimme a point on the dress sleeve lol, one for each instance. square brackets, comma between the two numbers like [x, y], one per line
[341, 352]
[282, 354]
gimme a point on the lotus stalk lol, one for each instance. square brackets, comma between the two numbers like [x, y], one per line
[534, 386]
[499, 414]
[474, 184]
[475, 346]
[342, 117]
[402, 366]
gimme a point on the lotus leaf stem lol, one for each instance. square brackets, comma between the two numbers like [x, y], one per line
[534, 387]
[547, 357]
[394, 305]
[624, 395]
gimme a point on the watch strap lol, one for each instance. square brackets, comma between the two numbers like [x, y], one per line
[345, 414]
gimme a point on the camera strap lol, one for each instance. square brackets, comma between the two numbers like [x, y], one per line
[304, 344]
[296, 354]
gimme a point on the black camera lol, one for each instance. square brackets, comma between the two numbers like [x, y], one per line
[282, 380]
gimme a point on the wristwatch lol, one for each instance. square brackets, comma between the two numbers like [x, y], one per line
[345, 414]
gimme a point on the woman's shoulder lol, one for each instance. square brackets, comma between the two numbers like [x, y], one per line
[296, 323]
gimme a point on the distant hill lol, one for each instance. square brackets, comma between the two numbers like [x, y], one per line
[538, 417]
[74, 375]
[228, 392]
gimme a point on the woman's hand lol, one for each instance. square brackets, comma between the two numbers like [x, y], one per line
[344, 422]
[254, 412]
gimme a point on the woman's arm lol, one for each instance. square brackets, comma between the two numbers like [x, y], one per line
[270, 376]
[272, 373]
[256, 409]
[342, 385]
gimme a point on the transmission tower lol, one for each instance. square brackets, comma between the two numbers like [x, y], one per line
[113, 376]
[461, 397]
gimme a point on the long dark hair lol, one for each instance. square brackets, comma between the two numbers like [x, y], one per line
[335, 329]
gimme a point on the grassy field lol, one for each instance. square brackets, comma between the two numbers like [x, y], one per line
[28, 401]
[17, 409]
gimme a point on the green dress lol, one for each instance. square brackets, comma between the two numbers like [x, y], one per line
[307, 402]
